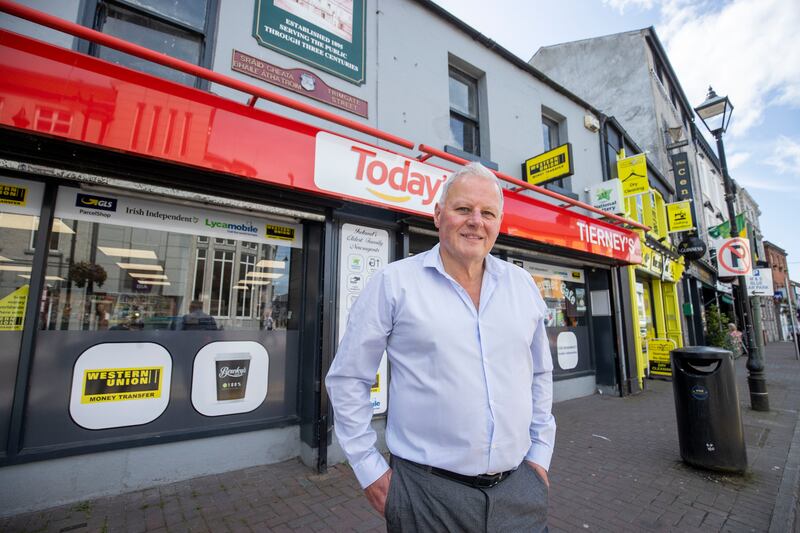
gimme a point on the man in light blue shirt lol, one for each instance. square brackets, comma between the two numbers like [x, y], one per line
[469, 424]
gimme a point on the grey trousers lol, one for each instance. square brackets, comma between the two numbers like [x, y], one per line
[421, 501]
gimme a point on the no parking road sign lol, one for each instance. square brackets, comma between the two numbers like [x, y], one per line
[733, 258]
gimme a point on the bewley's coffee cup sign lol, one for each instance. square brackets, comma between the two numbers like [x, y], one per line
[232, 371]
[358, 170]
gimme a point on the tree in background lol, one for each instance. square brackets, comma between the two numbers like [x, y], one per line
[717, 328]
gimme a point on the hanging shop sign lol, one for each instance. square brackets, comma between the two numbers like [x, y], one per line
[679, 216]
[632, 172]
[658, 351]
[759, 282]
[351, 168]
[683, 177]
[608, 196]
[362, 253]
[327, 35]
[733, 258]
[128, 211]
[299, 81]
[551, 165]
[692, 247]
[118, 384]
[230, 377]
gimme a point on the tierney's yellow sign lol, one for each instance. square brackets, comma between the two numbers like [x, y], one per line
[549, 166]
[632, 172]
[679, 216]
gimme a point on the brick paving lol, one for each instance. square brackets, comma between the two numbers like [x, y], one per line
[616, 468]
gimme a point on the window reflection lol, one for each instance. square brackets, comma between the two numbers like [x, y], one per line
[115, 277]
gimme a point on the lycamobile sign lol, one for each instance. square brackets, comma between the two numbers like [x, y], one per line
[233, 228]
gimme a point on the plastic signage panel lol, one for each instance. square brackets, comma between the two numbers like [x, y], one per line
[230, 377]
[363, 251]
[117, 384]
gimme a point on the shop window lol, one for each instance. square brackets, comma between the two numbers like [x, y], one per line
[654, 213]
[566, 320]
[464, 117]
[20, 203]
[118, 273]
[178, 28]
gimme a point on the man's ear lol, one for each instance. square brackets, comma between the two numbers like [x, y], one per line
[437, 210]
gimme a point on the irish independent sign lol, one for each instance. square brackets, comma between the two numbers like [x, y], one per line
[299, 81]
[328, 35]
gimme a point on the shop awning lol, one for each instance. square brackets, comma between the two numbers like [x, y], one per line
[120, 109]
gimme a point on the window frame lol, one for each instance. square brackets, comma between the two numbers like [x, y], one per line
[556, 125]
[93, 15]
[465, 118]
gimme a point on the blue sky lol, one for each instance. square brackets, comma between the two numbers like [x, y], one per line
[747, 49]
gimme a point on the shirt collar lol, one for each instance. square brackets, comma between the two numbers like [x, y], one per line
[492, 265]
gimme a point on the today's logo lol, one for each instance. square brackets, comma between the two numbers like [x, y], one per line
[347, 167]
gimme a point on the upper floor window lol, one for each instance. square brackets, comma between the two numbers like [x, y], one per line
[178, 28]
[550, 133]
[464, 119]
[553, 136]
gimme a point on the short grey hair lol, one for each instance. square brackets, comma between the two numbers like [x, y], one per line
[472, 169]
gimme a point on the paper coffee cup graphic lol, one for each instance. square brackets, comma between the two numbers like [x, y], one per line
[232, 371]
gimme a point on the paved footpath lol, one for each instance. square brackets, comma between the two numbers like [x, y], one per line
[616, 468]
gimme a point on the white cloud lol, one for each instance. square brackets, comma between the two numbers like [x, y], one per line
[746, 49]
[620, 5]
[737, 159]
[785, 156]
[750, 182]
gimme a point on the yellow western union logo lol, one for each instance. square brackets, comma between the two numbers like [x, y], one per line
[13, 194]
[285, 233]
[121, 384]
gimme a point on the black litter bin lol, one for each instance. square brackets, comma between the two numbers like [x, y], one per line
[707, 405]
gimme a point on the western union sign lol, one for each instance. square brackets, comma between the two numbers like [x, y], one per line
[679, 216]
[549, 166]
[121, 384]
[632, 172]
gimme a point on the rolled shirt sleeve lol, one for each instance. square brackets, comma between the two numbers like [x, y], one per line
[352, 374]
[543, 424]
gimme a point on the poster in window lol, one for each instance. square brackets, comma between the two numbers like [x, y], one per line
[328, 35]
[230, 377]
[118, 384]
[363, 252]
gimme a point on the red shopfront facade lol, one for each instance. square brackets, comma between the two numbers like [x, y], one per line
[165, 209]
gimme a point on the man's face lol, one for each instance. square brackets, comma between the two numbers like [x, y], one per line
[469, 219]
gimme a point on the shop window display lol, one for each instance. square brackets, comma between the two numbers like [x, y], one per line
[114, 274]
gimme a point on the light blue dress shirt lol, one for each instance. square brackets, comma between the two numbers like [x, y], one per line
[470, 391]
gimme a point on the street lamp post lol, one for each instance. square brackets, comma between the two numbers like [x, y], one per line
[715, 113]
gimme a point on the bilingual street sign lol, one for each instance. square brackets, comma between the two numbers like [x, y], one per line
[733, 258]
[632, 172]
